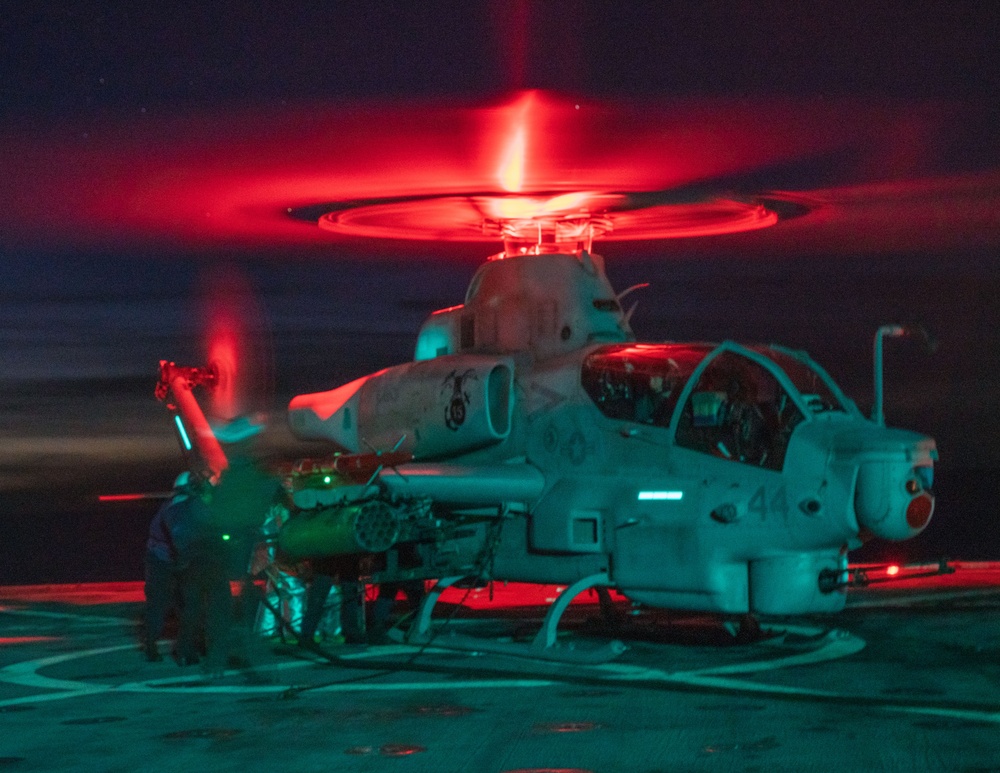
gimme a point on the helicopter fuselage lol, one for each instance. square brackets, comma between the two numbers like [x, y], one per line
[550, 447]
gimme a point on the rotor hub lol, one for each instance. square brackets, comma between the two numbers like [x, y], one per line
[535, 236]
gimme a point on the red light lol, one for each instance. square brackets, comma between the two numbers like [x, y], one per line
[86, 594]
[400, 750]
[222, 354]
[227, 309]
[513, 594]
[892, 571]
[6, 641]
[919, 511]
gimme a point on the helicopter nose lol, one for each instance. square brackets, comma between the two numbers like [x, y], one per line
[893, 499]
[893, 494]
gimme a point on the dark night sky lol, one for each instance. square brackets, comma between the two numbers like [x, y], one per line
[120, 121]
[71, 56]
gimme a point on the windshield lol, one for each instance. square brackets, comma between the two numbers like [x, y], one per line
[817, 392]
[738, 411]
[640, 382]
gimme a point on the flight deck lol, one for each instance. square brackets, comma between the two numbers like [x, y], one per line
[904, 679]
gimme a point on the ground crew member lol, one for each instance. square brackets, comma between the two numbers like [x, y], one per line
[169, 529]
[240, 504]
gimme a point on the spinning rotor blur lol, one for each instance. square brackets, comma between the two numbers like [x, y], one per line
[545, 223]
[532, 170]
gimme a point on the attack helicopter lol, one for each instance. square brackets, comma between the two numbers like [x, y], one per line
[534, 439]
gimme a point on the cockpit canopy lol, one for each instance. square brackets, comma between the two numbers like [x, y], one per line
[743, 405]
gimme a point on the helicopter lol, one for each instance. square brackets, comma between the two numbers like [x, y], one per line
[533, 439]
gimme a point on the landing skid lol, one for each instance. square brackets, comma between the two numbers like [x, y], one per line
[746, 629]
[545, 645]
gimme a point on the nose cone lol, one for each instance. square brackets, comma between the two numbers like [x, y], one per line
[890, 500]
[893, 498]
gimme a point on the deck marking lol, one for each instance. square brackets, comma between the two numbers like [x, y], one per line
[837, 645]
[26, 674]
[139, 687]
[88, 620]
[971, 714]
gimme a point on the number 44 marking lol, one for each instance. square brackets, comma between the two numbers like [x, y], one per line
[760, 504]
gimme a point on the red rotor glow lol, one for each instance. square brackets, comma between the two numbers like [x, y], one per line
[564, 217]
[235, 341]
[876, 174]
